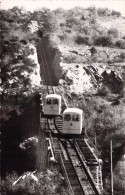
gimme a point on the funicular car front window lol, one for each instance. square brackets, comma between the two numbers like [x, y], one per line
[75, 117]
[48, 101]
[67, 117]
[55, 101]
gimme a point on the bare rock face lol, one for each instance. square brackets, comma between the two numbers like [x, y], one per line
[82, 78]
[28, 149]
[76, 79]
[113, 80]
[29, 144]
[35, 75]
[80, 74]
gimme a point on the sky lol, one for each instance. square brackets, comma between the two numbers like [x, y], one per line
[31, 5]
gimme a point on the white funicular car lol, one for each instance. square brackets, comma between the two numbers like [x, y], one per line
[72, 121]
[52, 104]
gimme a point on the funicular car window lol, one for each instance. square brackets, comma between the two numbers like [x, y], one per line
[48, 101]
[67, 117]
[55, 101]
[75, 117]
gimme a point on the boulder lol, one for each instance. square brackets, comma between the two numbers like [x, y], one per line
[112, 80]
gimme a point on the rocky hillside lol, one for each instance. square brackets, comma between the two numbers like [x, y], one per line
[85, 53]
[92, 60]
[92, 78]
[85, 72]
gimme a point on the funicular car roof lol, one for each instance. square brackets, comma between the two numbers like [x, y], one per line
[53, 96]
[73, 110]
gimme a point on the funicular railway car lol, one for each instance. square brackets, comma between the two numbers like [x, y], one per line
[72, 121]
[52, 104]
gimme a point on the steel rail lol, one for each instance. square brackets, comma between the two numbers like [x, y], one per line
[92, 145]
[50, 84]
[66, 175]
[79, 153]
[91, 184]
[46, 73]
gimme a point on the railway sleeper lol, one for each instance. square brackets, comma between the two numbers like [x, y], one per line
[92, 164]
[90, 158]
[86, 149]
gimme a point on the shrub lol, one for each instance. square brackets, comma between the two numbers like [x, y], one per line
[68, 30]
[113, 32]
[80, 39]
[70, 59]
[115, 13]
[83, 17]
[49, 183]
[120, 44]
[23, 41]
[62, 24]
[71, 22]
[84, 29]
[92, 9]
[122, 56]
[67, 38]
[103, 41]
[103, 12]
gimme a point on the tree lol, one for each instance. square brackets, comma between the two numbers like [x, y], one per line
[46, 20]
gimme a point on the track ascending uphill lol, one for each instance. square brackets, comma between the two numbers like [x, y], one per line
[79, 176]
[82, 173]
[45, 74]
[72, 177]
[78, 163]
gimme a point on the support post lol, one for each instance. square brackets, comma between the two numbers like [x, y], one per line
[95, 138]
[111, 167]
[42, 147]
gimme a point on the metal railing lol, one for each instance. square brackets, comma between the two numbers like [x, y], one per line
[92, 145]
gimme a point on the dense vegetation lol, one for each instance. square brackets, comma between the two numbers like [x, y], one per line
[84, 27]
[20, 28]
[50, 182]
[78, 27]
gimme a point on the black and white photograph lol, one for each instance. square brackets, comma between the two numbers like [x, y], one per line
[62, 95]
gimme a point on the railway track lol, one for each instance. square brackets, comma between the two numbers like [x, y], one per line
[82, 175]
[41, 161]
[75, 160]
[91, 157]
[67, 167]
[83, 180]
[73, 178]
[82, 159]
[78, 167]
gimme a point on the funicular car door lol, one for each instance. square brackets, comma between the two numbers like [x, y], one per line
[75, 123]
[67, 122]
